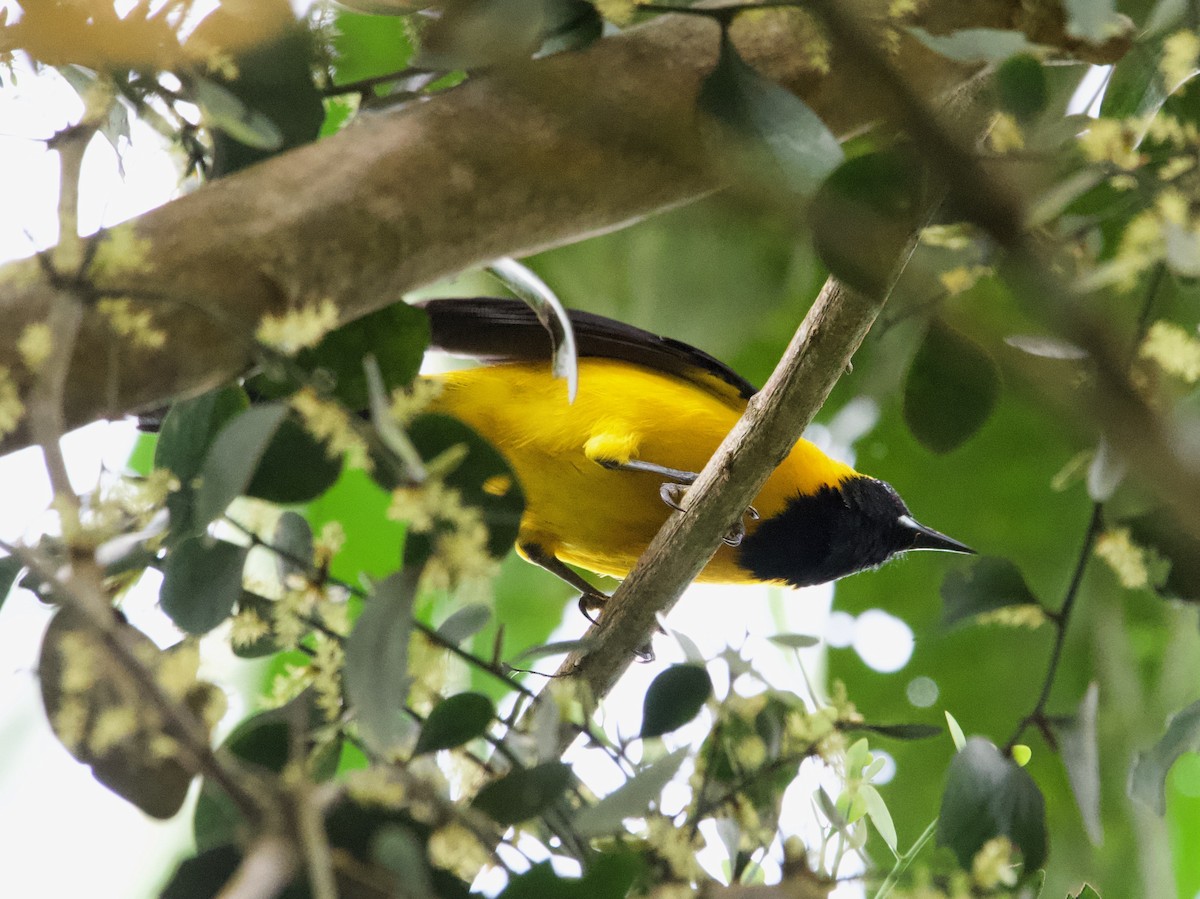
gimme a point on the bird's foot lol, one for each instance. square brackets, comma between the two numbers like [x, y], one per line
[736, 534]
[590, 604]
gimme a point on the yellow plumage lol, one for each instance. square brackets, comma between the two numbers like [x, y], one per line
[592, 516]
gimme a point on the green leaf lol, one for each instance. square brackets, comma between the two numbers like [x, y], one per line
[187, 433]
[975, 44]
[368, 46]
[988, 795]
[877, 811]
[1081, 755]
[205, 875]
[130, 763]
[674, 698]
[202, 579]
[10, 568]
[524, 793]
[222, 110]
[454, 721]
[902, 731]
[781, 141]
[295, 467]
[864, 216]
[376, 673]
[465, 623]
[609, 876]
[630, 800]
[396, 848]
[482, 478]
[795, 641]
[293, 540]
[956, 732]
[985, 584]
[1021, 86]
[271, 104]
[1161, 532]
[1094, 21]
[233, 459]
[1148, 779]
[1085, 892]
[950, 390]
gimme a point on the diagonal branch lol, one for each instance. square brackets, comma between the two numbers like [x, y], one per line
[818, 354]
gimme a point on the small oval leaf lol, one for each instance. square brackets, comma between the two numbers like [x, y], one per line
[674, 698]
[950, 390]
[521, 794]
[202, 579]
[233, 458]
[986, 584]
[988, 795]
[454, 721]
[630, 800]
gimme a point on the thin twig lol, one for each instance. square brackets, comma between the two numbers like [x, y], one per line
[266, 870]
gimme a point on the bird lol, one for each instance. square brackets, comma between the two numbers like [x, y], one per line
[601, 474]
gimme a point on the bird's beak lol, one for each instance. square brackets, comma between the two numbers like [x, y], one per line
[928, 538]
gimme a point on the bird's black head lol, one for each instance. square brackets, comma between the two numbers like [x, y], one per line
[858, 524]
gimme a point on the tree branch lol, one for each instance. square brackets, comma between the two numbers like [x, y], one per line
[520, 160]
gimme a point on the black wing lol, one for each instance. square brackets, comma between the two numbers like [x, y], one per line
[502, 330]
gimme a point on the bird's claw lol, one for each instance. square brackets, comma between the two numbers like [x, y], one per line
[672, 494]
[737, 533]
[590, 604]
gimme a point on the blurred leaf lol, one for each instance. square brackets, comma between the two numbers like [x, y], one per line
[975, 44]
[202, 579]
[674, 698]
[295, 467]
[630, 800]
[864, 216]
[956, 732]
[471, 34]
[608, 876]
[454, 721]
[483, 479]
[366, 46]
[1148, 779]
[396, 848]
[10, 568]
[187, 433]
[376, 673]
[795, 641]
[558, 647]
[395, 335]
[578, 24]
[103, 722]
[1161, 532]
[902, 731]
[1094, 21]
[1135, 87]
[205, 875]
[950, 390]
[465, 623]
[983, 585]
[523, 793]
[1106, 472]
[782, 142]
[233, 459]
[1183, 251]
[271, 104]
[877, 811]
[1085, 892]
[986, 796]
[525, 283]
[1046, 347]
[293, 540]
[223, 111]
[1081, 755]
[1021, 86]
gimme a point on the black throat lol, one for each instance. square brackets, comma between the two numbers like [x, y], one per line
[829, 534]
